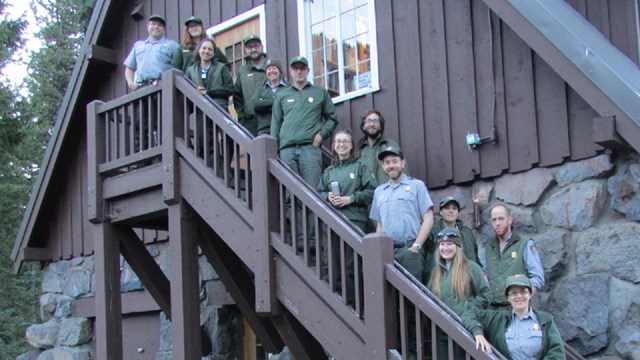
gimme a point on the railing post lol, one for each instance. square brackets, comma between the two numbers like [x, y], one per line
[265, 207]
[379, 302]
[96, 154]
[171, 127]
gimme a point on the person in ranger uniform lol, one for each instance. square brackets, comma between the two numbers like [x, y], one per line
[374, 141]
[508, 254]
[250, 78]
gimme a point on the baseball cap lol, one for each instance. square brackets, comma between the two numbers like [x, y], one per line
[447, 200]
[157, 17]
[194, 19]
[273, 62]
[251, 38]
[391, 150]
[298, 59]
[517, 280]
[449, 234]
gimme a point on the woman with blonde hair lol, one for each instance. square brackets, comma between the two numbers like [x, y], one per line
[459, 283]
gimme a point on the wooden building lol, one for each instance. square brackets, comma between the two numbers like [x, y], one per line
[539, 82]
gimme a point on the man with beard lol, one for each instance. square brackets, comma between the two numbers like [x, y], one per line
[403, 209]
[509, 254]
[250, 77]
[374, 141]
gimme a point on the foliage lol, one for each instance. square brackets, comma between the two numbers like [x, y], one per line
[25, 124]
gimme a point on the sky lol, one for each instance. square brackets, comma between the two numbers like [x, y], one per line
[17, 70]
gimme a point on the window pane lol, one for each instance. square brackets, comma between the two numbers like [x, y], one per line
[332, 58]
[319, 81]
[364, 48]
[349, 52]
[348, 23]
[349, 79]
[361, 2]
[364, 67]
[330, 8]
[333, 84]
[317, 36]
[318, 62]
[362, 20]
[331, 31]
[317, 15]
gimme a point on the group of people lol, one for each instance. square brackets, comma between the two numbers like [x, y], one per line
[368, 182]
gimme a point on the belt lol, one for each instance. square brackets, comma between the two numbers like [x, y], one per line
[499, 304]
[398, 245]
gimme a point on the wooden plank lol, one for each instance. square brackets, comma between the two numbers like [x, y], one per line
[521, 130]
[108, 324]
[606, 135]
[185, 285]
[439, 168]
[76, 207]
[580, 127]
[461, 79]
[132, 182]
[485, 84]
[144, 205]
[406, 18]
[623, 23]
[551, 114]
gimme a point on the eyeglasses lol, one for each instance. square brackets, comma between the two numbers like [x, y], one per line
[447, 234]
[514, 293]
[371, 121]
[252, 45]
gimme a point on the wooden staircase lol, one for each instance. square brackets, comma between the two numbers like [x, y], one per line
[220, 190]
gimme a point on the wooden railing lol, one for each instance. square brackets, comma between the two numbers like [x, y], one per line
[369, 307]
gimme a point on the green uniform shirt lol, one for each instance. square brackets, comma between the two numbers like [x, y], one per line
[263, 104]
[183, 58]
[297, 115]
[369, 155]
[354, 180]
[249, 80]
[480, 294]
[500, 267]
[494, 325]
[218, 82]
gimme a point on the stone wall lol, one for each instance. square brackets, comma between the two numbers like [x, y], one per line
[62, 336]
[585, 219]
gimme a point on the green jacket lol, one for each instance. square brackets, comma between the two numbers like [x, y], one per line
[494, 324]
[249, 80]
[469, 246]
[218, 84]
[263, 105]
[354, 180]
[183, 58]
[500, 267]
[297, 115]
[480, 295]
[369, 155]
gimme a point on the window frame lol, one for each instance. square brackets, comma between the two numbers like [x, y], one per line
[305, 41]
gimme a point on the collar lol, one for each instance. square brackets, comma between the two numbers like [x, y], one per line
[403, 181]
[530, 315]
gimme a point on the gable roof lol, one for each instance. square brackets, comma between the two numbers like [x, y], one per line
[64, 120]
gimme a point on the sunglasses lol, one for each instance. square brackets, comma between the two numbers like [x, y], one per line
[447, 234]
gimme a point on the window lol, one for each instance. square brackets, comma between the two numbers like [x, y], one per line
[339, 39]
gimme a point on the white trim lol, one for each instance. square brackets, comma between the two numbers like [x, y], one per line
[304, 40]
[257, 11]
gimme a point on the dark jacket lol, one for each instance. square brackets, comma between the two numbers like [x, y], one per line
[469, 245]
[263, 105]
[218, 82]
[183, 58]
[369, 155]
[249, 80]
[500, 267]
[494, 324]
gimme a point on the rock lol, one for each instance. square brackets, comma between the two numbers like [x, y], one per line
[31, 355]
[576, 207]
[129, 281]
[75, 332]
[614, 249]
[77, 282]
[574, 172]
[65, 353]
[624, 188]
[462, 194]
[522, 220]
[63, 310]
[580, 306]
[629, 334]
[43, 336]
[52, 279]
[553, 254]
[481, 191]
[166, 333]
[206, 270]
[524, 188]
[284, 355]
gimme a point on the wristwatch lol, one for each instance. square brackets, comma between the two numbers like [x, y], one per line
[417, 246]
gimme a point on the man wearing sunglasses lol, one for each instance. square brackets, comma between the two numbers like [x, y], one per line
[403, 209]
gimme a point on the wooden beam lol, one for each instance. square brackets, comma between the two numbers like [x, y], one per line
[301, 343]
[605, 133]
[238, 281]
[35, 254]
[185, 287]
[103, 55]
[108, 322]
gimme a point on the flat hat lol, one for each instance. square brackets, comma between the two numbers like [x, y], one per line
[449, 234]
[391, 150]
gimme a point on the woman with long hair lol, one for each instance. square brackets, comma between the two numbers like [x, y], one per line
[192, 34]
[459, 283]
[210, 77]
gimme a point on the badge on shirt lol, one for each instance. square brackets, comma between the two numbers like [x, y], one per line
[290, 100]
[407, 188]
[536, 327]
[352, 176]
[514, 254]
[310, 99]
[381, 197]
[249, 74]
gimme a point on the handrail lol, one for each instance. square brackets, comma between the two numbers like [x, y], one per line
[332, 257]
